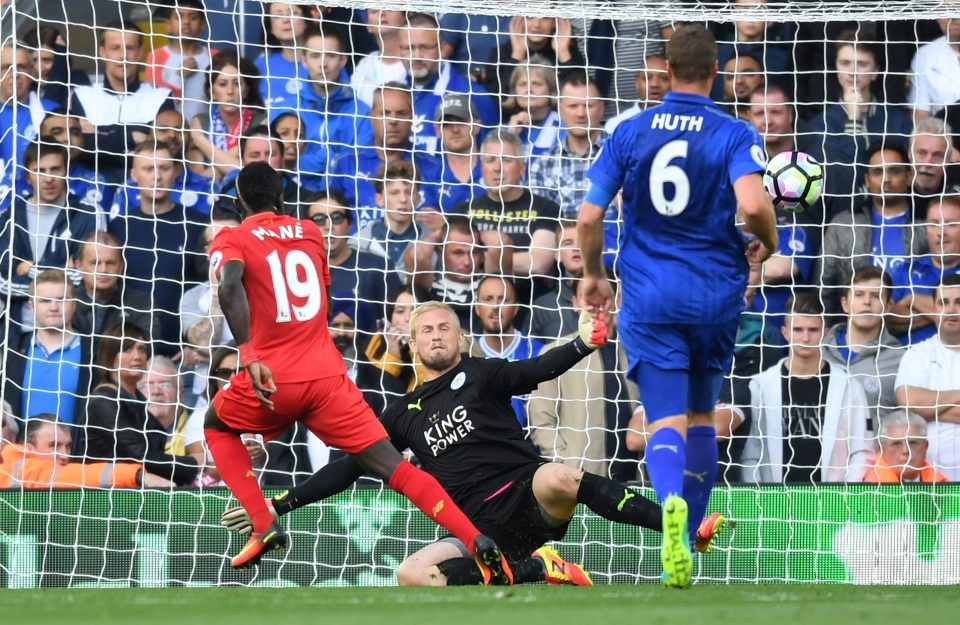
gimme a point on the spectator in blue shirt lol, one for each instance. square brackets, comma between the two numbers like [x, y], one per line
[532, 106]
[48, 370]
[283, 24]
[159, 240]
[458, 127]
[760, 40]
[915, 313]
[20, 123]
[334, 119]
[430, 79]
[398, 189]
[352, 173]
[192, 188]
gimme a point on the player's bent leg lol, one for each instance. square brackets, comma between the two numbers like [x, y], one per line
[555, 488]
[618, 503]
[421, 568]
[382, 460]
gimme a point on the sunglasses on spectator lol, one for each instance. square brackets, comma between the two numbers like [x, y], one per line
[224, 373]
[335, 218]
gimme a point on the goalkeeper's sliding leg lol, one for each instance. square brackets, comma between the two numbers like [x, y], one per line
[554, 490]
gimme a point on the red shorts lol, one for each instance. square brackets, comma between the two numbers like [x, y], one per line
[332, 408]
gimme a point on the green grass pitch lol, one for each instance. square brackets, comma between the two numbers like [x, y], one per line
[530, 605]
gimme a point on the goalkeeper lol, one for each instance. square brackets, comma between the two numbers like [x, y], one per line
[462, 427]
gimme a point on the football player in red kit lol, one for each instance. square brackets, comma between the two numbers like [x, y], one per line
[274, 281]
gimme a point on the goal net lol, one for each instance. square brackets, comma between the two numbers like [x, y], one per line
[443, 150]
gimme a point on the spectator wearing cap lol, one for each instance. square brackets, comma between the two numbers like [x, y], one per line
[353, 172]
[458, 128]
[430, 78]
[334, 119]
[181, 65]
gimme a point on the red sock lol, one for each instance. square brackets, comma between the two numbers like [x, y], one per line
[233, 463]
[426, 494]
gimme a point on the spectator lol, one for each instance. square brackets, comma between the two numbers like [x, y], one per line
[189, 189]
[469, 40]
[159, 238]
[863, 346]
[844, 136]
[363, 276]
[84, 183]
[652, 84]
[287, 127]
[235, 108]
[48, 370]
[559, 174]
[880, 232]
[928, 381]
[343, 329]
[386, 370]
[398, 188]
[532, 104]
[117, 111]
[554, 314]
[903, 452]
[544, 42]
[259, 145]
[163, 388]
[496, 308]
[742, 75]
[936, 72]
[445, 264]
[9, 428]
[334, 119]
[809, 416]
[118, 426]
[508, 207]
[44, 462]
[616, 50]
[772, 113]
[180, 66]
[170, 127]
[352, 173]
[21, 109]
[430, 79]
[54, 74]
[934, 170]
[580, 418]
[383, 65]
[759, 40]
[283, 24]
[44, 230]
[915, 309]
[458, 127]
[102, 299]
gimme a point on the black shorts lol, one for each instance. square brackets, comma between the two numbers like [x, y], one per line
[521, 526]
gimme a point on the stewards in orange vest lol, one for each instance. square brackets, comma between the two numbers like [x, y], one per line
[903, 452]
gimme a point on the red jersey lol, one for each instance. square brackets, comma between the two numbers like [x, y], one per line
[286, 278]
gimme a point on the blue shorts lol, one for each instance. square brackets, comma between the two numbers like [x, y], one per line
[678, 368]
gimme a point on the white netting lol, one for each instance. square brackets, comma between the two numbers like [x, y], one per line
[862, 86]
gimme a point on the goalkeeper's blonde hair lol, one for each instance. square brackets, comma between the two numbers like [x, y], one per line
[423, 309]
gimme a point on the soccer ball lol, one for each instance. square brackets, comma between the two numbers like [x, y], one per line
[794, 180]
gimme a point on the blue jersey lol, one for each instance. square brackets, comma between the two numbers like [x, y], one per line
[682, 258]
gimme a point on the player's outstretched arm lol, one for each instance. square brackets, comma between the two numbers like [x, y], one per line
[528, 374]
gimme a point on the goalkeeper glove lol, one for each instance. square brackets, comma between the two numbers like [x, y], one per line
[593, 332]
[237, 520]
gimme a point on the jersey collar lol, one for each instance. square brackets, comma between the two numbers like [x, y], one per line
[688, 98]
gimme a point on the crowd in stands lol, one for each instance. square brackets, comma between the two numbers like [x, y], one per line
[444, 158]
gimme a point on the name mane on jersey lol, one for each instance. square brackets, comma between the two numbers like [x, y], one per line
[291, 231]
[669, 121]
[446, 431]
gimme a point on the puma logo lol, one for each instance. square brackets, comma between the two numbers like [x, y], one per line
[627, 496]
[415, 406]
[700, 477]
[672, 448]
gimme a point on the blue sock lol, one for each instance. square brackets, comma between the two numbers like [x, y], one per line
[700, 473]
[665, 462]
